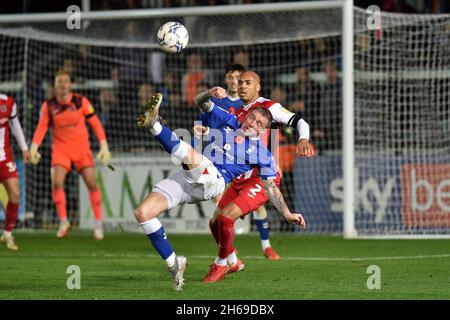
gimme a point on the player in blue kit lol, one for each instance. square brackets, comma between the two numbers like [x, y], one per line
[232, 103]
[231, 150]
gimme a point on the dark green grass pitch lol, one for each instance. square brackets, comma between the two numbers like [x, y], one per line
[125, 266]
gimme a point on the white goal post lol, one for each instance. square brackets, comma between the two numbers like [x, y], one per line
[374, 174]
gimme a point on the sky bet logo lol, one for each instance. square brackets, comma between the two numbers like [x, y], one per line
[426, 195]
[371, 196]
[425, 192]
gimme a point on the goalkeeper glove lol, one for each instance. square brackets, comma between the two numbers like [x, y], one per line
[35, 156]
[104, 156]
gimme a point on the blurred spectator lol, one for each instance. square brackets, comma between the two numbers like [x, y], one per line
[397, 6]
[241, 57]
[131, 61]
[130, 73]
[278, 93]
[107, 102]
[145, 93]
[171, 104]
[88, 66]
[285, 139]
[130, 69]
[331, 109]
[438, 6]
[135, 137]
[362, 47]
[170, 91]
[194, 76]
[306, 102]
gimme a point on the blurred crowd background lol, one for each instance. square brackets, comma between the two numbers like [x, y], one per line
[22, 6]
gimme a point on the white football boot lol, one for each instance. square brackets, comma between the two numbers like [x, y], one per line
[178, 271]
[9, 240]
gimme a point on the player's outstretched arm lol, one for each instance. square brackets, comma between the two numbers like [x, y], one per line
[17, 131]
[284, 116]
[276, 198]
[103, 155]
[202, 99]
[39, 134]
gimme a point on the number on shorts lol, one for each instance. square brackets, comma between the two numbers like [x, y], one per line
[11, 166]
[253, 191]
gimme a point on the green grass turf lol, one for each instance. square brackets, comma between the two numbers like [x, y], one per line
[125, 266]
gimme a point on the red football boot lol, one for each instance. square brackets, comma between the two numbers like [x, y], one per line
[236, 267]
[216, 273]
[271, 254]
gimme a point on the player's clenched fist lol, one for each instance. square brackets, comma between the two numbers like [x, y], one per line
[35, 156]
[297, 218]
[218, 92]
[305, 148]
[26, 156]
[104, 155]
[200, 130]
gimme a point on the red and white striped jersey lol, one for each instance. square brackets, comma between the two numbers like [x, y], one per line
[8, 109]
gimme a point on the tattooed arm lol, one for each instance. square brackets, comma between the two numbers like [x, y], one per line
[202, 99]
[276, 198]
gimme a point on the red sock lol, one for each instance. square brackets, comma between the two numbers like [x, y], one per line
[96, 203]
[226, 236]
[214, 227]
[59, 198]
[11, 216]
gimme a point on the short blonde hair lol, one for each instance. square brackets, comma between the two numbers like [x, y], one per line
[62, 72]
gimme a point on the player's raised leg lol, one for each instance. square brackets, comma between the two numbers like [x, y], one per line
[262, 224]
[12, 209]
[58, 176]
[146, 215]
[157, 202]
[168, 140]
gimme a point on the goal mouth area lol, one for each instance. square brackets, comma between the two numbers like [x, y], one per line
[381, 95]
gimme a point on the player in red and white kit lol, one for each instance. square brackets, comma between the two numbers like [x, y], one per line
[8, 171]
[246, 193]
[243, 190]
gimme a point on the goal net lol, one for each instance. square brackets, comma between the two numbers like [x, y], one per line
[401, 99]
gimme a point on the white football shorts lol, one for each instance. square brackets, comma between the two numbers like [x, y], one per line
[191, 186]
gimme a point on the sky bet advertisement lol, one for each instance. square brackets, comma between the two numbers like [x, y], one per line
[394, 195]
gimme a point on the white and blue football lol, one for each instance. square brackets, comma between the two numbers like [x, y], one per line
[172, 37]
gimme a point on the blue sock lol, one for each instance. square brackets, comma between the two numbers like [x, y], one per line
[161, 243]
[168, 139]
[263, 228]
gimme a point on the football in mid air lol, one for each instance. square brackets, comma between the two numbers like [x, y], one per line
[172, 37]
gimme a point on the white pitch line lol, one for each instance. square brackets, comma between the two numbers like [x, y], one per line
[131, 255]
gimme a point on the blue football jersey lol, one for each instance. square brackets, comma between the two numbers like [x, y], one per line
[233, 154]
[227, 103]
